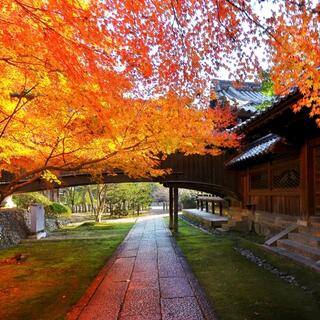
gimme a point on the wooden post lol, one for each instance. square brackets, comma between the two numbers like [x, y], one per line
[198, 204]
[220, 208]
[201, 205]
[175, 209]
[212, 207]
[170, 208]
[306, 193]
[207, 206]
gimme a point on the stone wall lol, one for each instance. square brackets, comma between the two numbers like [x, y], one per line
[13, 227]
[54, 224]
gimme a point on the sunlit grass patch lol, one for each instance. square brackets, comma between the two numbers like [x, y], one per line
[54, 274]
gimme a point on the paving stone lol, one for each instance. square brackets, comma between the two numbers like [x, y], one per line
[150, 274]
[94, 312]
[142, 317]
[121, 269]
[109, 293]
[146, 266]
[144, 283]
[128, 253]
[141, 302]
[175, 288]
[170, 269]
[181, 309]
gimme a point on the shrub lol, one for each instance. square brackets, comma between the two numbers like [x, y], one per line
[24, 200]
[56, 210]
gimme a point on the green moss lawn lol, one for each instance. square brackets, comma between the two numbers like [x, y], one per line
[55, 274]
[239, 289]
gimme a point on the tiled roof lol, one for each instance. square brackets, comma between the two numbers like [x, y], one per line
[258, 148]
[246, 97]
[275, 102]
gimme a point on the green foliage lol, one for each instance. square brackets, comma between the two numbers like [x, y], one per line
[159, 193]
[267, 85]
[266, 89]
[56, 210]
[72, 196]
[24, 200]
[188, 199]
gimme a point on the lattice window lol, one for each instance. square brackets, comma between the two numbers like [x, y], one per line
[286, 178]
[259, 180]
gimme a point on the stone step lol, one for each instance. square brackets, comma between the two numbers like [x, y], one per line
[305, 238]
[296, 257]
[312, 230]
[297, 247]
[280, 235]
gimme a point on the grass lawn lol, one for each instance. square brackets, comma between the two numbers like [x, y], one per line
[239, 289]
[55, 273]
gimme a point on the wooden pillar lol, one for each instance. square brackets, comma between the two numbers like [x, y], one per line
[220, 208]
[306, 198]
[201, 205]
[212, 207]
[198, 204]
[170, 208]
[175, 209]
[207, 206]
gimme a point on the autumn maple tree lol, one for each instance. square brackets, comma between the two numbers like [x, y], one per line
[94, 86]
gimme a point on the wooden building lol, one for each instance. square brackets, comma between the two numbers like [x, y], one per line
[278, 164]
[278, 174]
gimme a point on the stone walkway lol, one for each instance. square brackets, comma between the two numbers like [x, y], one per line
[147, 279]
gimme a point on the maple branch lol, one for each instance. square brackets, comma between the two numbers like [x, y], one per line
[222, 24]
[176, 16]
[257, 23]
[17, 108]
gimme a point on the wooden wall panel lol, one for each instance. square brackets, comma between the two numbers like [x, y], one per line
[286, 205]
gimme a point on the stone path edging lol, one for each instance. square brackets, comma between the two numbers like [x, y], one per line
[85, 299]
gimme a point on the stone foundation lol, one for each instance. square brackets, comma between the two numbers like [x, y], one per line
[269, 224]
[263, 223]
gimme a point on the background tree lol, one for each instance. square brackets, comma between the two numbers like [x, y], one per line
[97, 195]
[73, 196]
